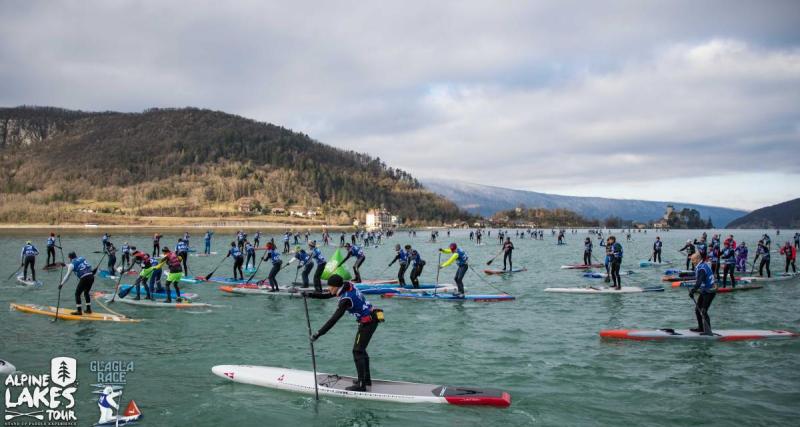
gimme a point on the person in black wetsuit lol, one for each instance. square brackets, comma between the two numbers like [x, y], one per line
[403, 255]
[417, 263]
[708, 289]
[508, 248]
[657, 250]
[587, 251]
[367, 317]
[689, 248]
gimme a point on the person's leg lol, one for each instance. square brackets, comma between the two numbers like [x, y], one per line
[168, 290]
[769, 273]
[306, 271]
[761, 267]
[401, 274]
[185, 256]
[318, 277]
[273, 281]
[360, 355]
[356, 268]
[238, 266]
[705, 304]
[459, 279]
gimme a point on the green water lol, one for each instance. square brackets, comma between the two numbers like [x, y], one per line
[543, 348]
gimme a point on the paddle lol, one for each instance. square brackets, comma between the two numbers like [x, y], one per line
[254, 273]
[311, 344]
[494, 257]
[215, 269]
[753, 265]
[14, 273]
[58, 303]
[119, 280]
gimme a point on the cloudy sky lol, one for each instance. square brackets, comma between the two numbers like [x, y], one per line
[689, 101]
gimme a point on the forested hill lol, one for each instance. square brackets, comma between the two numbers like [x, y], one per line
[190, 162]
[782, 215]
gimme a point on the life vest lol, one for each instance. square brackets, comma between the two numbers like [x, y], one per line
[80, 267]
[174, 262]
[359, 307]
[708, 284]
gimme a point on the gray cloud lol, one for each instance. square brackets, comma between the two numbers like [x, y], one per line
[527, 94]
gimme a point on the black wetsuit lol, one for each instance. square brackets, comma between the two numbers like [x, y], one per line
[508, 248]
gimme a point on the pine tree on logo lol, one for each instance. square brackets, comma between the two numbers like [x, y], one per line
[63, 372]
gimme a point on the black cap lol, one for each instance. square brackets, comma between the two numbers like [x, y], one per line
[335, 281]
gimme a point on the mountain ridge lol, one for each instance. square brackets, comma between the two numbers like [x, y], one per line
[485, 200]
[780, 215]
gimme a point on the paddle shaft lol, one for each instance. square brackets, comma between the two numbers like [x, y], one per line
[215, 268]
[311, 344]
[58, 302]
[494, 257]
[14, 273]
[254, 273]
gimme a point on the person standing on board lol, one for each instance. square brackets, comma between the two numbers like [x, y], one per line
[273, 256]
[111, 251]
[238, 260]
[126, 255]
[304, 262]
[797, 240]
[615, 255]
[83, 271]
[462, 261]
[257, 239]
[175, 273]
[207, 242]
[355, 251]
[657, 250]
[319, 259]
[417, 263]
[508, 249]
[250, 255]
[104, 240]
[707, 287]
[51, 249]
[689, 248]
[156, 244]
[182, 250]
[741, 257]
[587, 251]
[402, 256]
[27, 258]
[728, 257]
[763, 252]
[352, 301]
[791, 255]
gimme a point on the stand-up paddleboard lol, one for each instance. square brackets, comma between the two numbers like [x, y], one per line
[690, 284]
[678, 272]
[738, 288]
[6, 368]
[580, 266]
[54, 267]
[227, 280]
[129, 272]
[105, 274]
[646, 263]
[450, 297]
[249, 270]
[498, 271]
[125, 290]
[335, 385]
[599, 275]
[191, 280]
[378, 282]
[29, 282]
[606, 290]
[202, 254]
[685, 334]
[362, 286]
[130, 416]
[185, 303]
[254, 289]
[775, 277]
[408, 289]
[63, 313]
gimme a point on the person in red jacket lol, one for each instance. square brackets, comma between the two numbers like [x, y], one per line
[790, 253]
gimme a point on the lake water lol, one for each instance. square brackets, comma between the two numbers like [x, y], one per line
[543, 348]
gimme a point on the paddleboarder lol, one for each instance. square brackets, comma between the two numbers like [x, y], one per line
[790, 253]
[85, 274]
[207, 241]
[615, 257]
[51, 249]
[27, 258]
[657, 250]
[741, 257]
[156, 244]
[320, 260]
[728, 257]
[587, 251]
[352, 301]
[355, 251]
[175, 273]
[689, 248]
[402, 256]
[238, 260]
[462, 261]
[273, 256]
[417, 263]
[763, 251]
[250, 255]
[305, 263]
[508, 248]
[707, 287]
[182, 250]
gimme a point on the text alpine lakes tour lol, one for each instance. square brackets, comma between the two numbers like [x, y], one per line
[37, 391]
[111, 371]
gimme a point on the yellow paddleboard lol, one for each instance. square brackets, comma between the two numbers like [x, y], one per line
[64, 313]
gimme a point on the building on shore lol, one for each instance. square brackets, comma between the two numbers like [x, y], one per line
[378, 219]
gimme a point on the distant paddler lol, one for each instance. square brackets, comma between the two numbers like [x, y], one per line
[85, 274]
[462, 261]
[508, 249]
[207, 242]
[274, 257]
[51, 249]
[238, 260]
[587, 251]
[356, 252]
[304, 262]
[657, 250]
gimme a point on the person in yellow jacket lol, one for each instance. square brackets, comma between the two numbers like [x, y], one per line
[460, 258]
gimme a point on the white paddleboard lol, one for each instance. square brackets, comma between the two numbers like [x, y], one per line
[29, 282]
[6, 368]
[604, 290]
[334, 385]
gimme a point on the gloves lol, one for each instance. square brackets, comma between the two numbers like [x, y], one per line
[314, 336]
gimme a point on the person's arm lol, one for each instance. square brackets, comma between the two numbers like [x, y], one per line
[346, 258]
[22, 256]
[340, 310]
[66, 276]
[396, 257]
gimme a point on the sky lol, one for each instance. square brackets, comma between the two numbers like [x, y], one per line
[660, 100]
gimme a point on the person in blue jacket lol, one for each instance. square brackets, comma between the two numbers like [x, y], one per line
[207, 242]
[27, 258]
[615, 257]
[417, 263]
[728, 257]
[51, 249]
[708, 289]
[402, 256]
[304, 262]
[273, 256]
[462, 261]
[358, 253]
[238, 260]
[319, 259]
